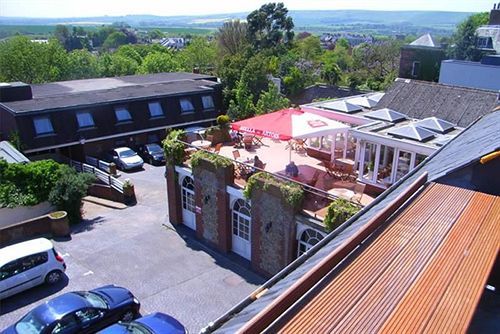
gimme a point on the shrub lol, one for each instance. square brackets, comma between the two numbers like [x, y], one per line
[292, 193]
[339, 211]
[223, 121]
[218, 160]
[69, 190]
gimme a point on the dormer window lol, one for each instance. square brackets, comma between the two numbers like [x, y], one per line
[186, 105]
[43, 125]
[122, 114]
[155, 109]
[208, 102]
[85, 120]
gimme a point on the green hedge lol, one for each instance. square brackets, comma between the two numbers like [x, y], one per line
[339, 211]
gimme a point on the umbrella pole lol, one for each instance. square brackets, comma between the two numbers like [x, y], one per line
[290, 156]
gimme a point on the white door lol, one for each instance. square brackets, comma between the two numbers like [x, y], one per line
[188, 206]
[241, 223]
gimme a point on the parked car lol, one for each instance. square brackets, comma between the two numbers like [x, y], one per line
[28, 264]
[125, 158]
[156, 323]
[79, 312]
[152, 153]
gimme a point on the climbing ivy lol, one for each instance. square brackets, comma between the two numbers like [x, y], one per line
[217, 160]
[292, 193]
[173, 147]
[338, 212]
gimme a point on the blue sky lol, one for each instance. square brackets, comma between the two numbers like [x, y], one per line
[82, 8]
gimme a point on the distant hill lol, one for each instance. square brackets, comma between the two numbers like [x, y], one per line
[386, 22]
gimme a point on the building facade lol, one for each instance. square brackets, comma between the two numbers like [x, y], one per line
[88, 117]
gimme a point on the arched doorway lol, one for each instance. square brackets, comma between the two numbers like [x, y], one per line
[188, 206]
[241, 227]
[308, 238]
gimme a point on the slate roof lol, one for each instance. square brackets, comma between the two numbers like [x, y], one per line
[75, 93]
[422, 99]
[480, 138]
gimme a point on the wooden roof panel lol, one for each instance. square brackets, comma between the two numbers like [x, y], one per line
[434, 249]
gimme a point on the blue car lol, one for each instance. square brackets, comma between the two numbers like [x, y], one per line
[79, 312]
[156, 323]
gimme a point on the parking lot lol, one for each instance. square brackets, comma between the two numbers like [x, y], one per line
[165, 267]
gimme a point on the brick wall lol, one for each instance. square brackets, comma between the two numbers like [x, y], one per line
[173, 196]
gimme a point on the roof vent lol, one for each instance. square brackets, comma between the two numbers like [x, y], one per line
[15, 91]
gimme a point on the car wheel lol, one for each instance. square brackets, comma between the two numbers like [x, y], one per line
[53, 277]
[128, 316]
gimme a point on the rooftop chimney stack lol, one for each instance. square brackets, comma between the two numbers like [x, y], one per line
[495, 15]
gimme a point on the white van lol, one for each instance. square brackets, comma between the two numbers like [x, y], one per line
[27, 264]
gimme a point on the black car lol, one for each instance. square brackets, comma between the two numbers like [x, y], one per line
[79, 312]
[152, 153]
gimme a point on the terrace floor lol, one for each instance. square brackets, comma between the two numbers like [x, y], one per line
[277, 154]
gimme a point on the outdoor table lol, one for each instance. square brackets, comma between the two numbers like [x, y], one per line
[202, 143]
[342, 193]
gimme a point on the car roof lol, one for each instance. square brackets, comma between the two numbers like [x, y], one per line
[122, 149]
[58, 307]
[22, 249]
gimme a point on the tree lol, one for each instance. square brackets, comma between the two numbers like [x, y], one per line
[114, 40]
[331, 72]
[155, 34]
[269, 26]
[271, 100]
[309, 48]
[294, 81]
[129, 51]
[199, 54]
[82, 65]
[465, 38]
[232, 38]
[157, 62]
[116, 65]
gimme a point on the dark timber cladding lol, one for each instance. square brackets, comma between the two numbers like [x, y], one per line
[425, 273]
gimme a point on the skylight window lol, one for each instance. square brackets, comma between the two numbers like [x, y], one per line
[186, 105]
[412, 132]
[122, 114]
[85, 120]
[386, 115]
[155, 109]
[208, 102]
[435, 124]
[43, 125]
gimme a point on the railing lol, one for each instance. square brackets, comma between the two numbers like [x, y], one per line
[102, 165]
[102, 176]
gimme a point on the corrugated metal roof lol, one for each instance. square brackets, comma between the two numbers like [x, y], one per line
[435, 257]
[10, 154]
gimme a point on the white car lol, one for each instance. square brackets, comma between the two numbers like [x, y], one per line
[28, 264]
[126, 159]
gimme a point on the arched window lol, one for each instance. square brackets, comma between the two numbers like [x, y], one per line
[308, 238]
[188, 194]
[241, 219]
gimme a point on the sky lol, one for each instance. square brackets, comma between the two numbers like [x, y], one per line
[87, 8]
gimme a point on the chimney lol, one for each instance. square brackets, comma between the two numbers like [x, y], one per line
[15, 91]
[495, 15]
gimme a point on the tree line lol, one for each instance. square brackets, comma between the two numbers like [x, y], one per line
[244, 55]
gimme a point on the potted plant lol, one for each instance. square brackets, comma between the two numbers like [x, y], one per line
[129, 192]
[59, 223]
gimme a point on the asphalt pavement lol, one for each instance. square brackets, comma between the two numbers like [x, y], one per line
[165, 267]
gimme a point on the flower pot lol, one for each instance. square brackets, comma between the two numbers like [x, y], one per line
[59, 223]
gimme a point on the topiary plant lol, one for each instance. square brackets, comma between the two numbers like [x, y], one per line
[223, 121]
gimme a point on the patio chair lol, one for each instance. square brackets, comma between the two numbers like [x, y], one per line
[330, 171]
[314, 179]
[247, 142]
[359, 190]
[299, 145]
[217, 148]
[257, 140]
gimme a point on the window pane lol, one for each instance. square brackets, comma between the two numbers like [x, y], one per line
[403, 164]
[42, 125]
[155, 109]
[369, 161]
[122, 114]
[186, 105]
[385, 164]
[208, 102]
[85, 120]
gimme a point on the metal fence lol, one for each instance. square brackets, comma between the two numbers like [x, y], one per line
[102, 176]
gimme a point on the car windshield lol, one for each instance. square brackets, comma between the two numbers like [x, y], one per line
[135, 328]
[30, 324]
[127, 153]
[94, 299]
[154, 148]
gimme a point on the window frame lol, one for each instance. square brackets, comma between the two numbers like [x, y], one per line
[160, 115]
[48, 122]
[212, 103]
[87, 126]
[187, 99]
[122, 108]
